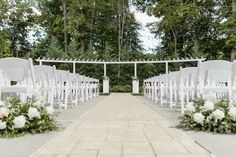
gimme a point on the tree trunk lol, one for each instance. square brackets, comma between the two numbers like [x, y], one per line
[65, 27]
[233, 54]
[82, 46]
[175, 39]
[119, 33]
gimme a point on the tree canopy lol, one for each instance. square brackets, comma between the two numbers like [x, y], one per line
[107, 29]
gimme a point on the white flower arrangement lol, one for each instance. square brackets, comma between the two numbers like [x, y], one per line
[198, 118]
[190, 107]
[19, 121]
[232, 112]
[134, 78]
[3, 125]
[218, 114]
[208, 105]
[17, 118]
[217, 117]
[4, 111]
[33, 113]
[2, 103]
[105, 78]
[50, 110]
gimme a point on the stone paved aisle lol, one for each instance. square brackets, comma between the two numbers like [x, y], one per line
[122, 126]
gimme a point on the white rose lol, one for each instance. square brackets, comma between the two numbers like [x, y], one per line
[232, 112]
[5, 111]
[33, 112]
[190, 107]
[208, 105]
[218, 114]
[2, 103]
[19, 121]
[50, 110]
[198, 118]
[3, 125]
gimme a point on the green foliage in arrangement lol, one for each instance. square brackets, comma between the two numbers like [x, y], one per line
[209, 116]
[18, 118]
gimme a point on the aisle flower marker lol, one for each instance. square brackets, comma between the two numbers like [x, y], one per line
[209, 116]
[18, 118]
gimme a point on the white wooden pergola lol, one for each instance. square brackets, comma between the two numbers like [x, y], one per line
[105, 63]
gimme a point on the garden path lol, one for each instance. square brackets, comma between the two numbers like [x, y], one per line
[121, 125]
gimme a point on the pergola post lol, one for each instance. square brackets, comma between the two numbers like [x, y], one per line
[105, 69]
[135, 69]
[74, 67]
[105, 80]
[167, 68]
[40, 62]
[135, 81]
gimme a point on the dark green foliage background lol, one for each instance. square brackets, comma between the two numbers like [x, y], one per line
[187, 28]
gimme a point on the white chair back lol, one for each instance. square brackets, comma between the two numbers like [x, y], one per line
[45, 75]
[215, 71]
[19, 70]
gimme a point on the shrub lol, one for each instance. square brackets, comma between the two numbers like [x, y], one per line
[121, 88]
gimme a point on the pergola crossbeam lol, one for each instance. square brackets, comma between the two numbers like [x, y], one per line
[105, 62]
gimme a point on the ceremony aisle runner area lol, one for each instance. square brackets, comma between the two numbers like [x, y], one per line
[122, 126]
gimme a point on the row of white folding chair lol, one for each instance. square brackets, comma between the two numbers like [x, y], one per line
[66, 87]
[20, 77]
[209, 77]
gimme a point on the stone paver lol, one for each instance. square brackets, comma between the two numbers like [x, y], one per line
[122, 126]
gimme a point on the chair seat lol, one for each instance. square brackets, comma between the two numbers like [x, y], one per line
[15, 89]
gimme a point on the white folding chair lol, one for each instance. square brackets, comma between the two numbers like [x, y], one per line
[97, 87]
[19, 77]
[173, 84]
[63, 85]
[74, 87]
[162, 89]
[187, 86]
[82, 88]
[46, 82]
[214, 77]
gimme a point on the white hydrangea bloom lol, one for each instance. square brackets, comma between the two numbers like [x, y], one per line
[33, 112]
[232, 112]
[208, 105]
[218, 114]
[5, 111]
[198, 118]
[190, 107]
[19, 121]
[3, 125]
[2, 103]
[50, 110]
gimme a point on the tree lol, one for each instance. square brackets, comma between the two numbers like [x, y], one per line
[182, 24]
[15, 20]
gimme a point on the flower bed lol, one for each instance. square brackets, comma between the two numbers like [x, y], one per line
[17, 118]
[206, 115]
